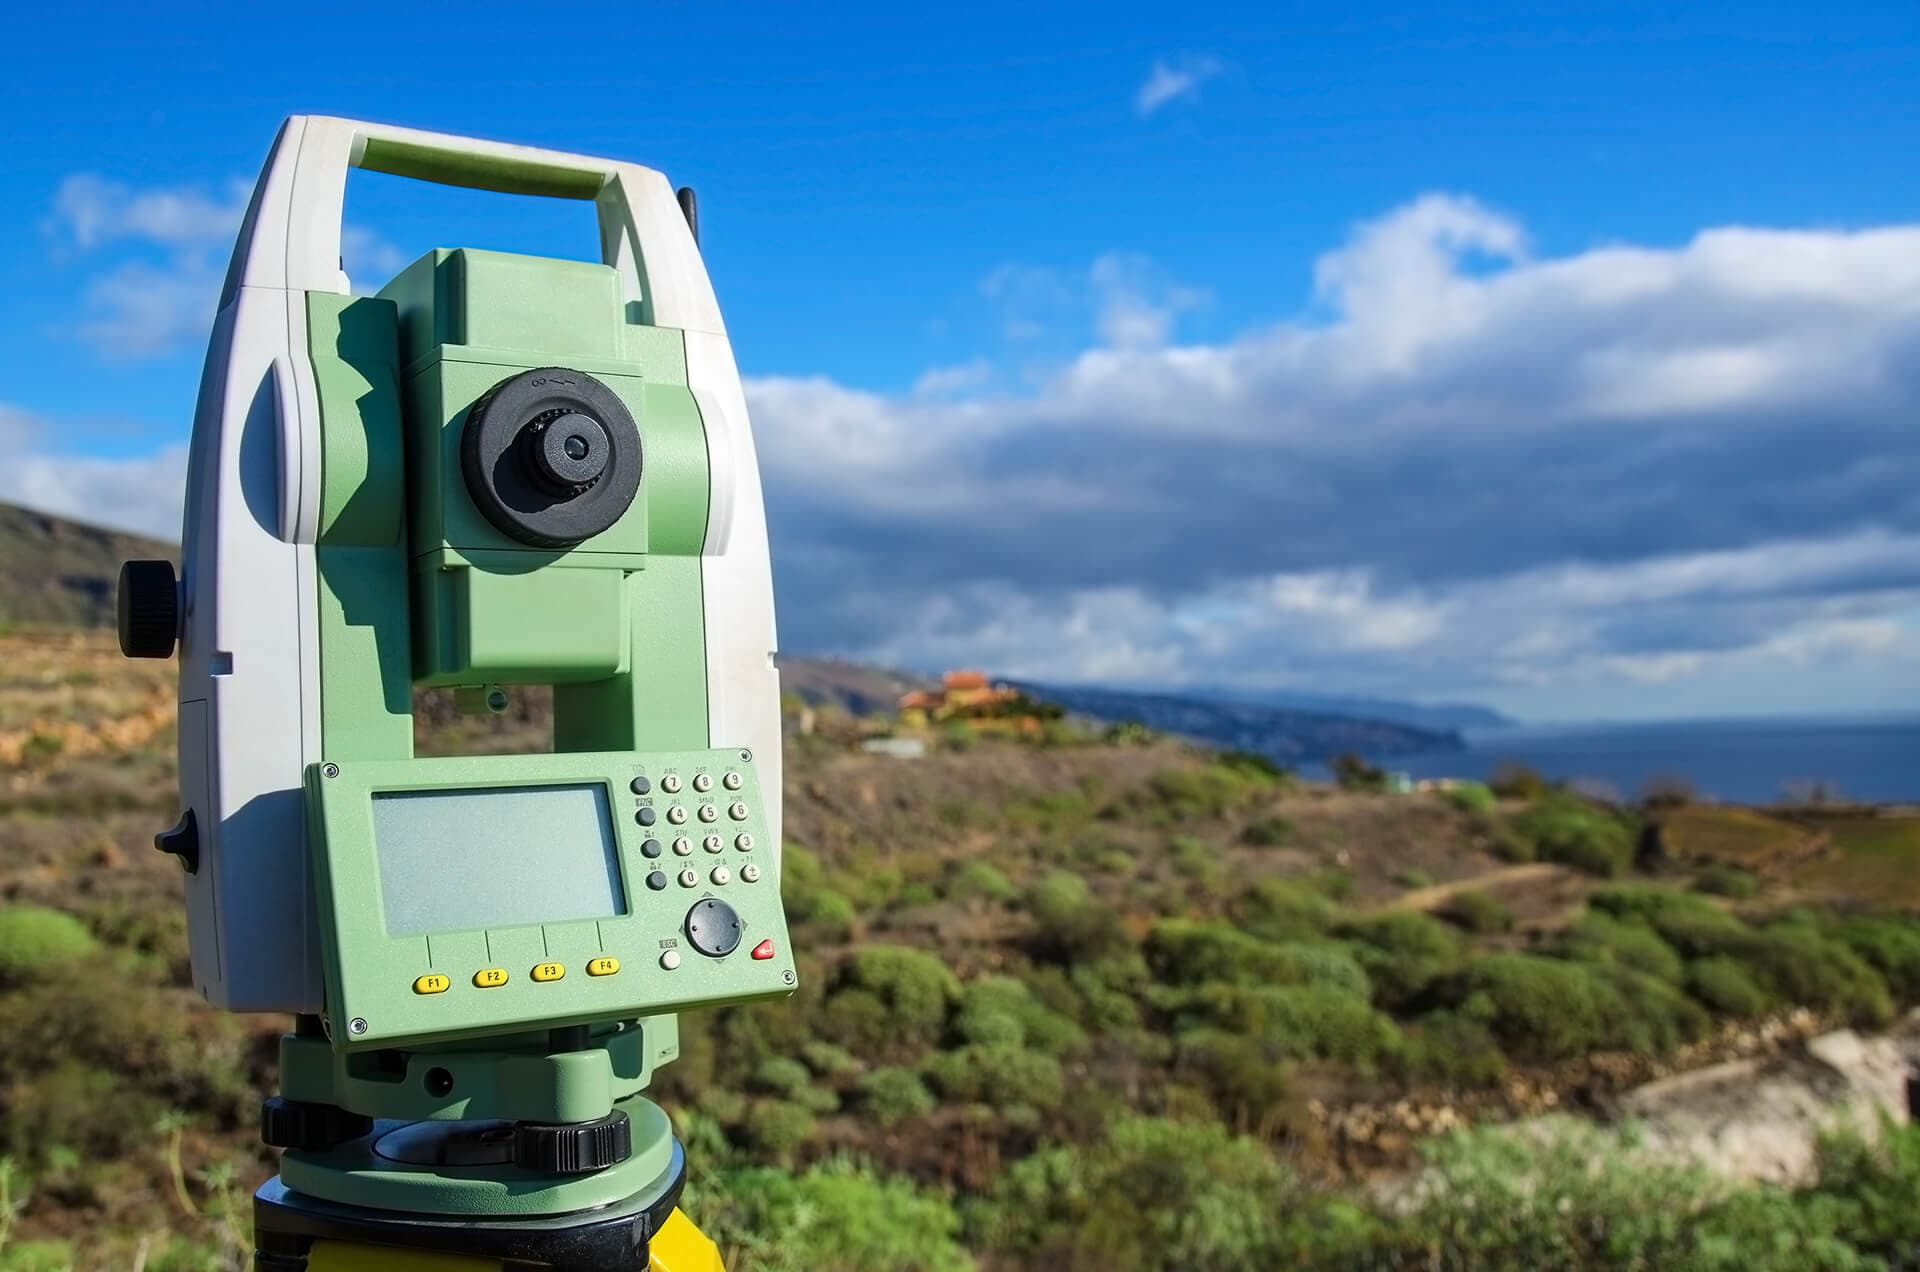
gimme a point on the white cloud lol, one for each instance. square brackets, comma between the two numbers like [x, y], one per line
[171, 246]
[1172, 79]
[1482, 471]
[141, 492]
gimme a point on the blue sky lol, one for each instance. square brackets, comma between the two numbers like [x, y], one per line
[1557, 360]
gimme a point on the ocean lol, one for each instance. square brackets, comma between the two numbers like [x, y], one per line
[1737, 761]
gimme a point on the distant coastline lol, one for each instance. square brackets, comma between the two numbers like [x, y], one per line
[1745, 761]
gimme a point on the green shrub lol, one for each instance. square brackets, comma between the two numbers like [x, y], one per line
[827, 1059]
[1801, 966]
[1002, 1009]
[1574, 833]
[1403, 951]
[1690, 924]
[1306, 1021]
[1599, 937]
[778, 1127]
[998, 1074]
[1727, 881]
[1477, 912]
[1726, 987]
[1189, 951]
[891, 1093]
[978, 880]
[1267, 832]
[1445, 1046]
[1471, 797]
[1513, 780]
[1507, 842]
[837, 1215]
[1193, 794]
[1354, 773]
[1253, 767]
[1890, 944]
[1070, 924]
[37, 942]
[1246, 1078]
[781, 1075]
[914, 985]
[1151, 1193]
[1194, 859]
[1329, 963]
[1550, 1009]
[1413, 879]
[1286, 910]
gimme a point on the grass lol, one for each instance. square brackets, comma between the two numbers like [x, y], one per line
[1735, 836]
[1876, 858]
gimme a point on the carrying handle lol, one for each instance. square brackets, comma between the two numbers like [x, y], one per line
[291, 236]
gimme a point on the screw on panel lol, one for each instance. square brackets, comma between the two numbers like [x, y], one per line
[747, 756]
[787, 977]
[329, 770]
[357, 1026]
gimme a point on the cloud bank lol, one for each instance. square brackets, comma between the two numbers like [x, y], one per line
[1484, 472]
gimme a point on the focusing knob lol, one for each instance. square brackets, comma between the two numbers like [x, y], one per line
[573, 1148]
[565, 451]
[314, 1128]
[148, 609]
[182, 840]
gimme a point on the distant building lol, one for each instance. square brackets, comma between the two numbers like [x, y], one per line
[972, 699]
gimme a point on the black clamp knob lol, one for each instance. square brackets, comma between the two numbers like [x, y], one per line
[576, 1148]
[182, 840]
[309, 1127]
[148, 609]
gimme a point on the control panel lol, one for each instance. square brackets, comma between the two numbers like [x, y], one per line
[472, 896]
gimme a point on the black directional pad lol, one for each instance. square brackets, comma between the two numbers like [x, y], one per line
[714, 927]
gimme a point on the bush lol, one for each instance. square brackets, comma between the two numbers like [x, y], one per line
[1002, 1009]
[778, 1127]
[1471, 797]
[1801, 966]
[1727, 881]
[1891, 945]
[1413, 879]
[1574, 833]
[838, 1215]
[914, 987]
[1285, 910]
[1189, 951]
[1245, 1077]
[1306, 1021]
[1513, 780]
[36, 942]
[1267, 832]
[1726, 987]
[1152, 1192]
[1598, 937]
[978, 880]
[891, 1093]
[998, 1074]
[1329, 963]
[1477, 912]
[1550, 1009]
[1354, 773]
[1446, 1046]
[1071, 925]
[1403, 951]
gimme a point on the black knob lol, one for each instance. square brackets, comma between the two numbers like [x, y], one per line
[314, 1128]
[565, 452]
[149, 609]
[182, 840]
[573, 1148]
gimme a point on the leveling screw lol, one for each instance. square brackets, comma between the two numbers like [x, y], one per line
[329, 770]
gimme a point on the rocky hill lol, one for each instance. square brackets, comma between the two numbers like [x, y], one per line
[60, 573]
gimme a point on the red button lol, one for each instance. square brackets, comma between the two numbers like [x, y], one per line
[764, 949]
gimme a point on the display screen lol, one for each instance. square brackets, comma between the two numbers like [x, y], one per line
[499, 857]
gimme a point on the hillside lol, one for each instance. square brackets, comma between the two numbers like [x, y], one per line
[1051, 994]
[56, 572]
[1288, 737]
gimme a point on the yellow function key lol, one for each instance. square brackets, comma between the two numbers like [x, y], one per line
[490, 977]
[603, 966]
[548, 971]
[432, 983]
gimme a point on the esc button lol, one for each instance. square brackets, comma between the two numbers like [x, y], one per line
[431, 984]
[604, 966]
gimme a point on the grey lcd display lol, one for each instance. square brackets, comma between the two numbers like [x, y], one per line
[498, 857]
